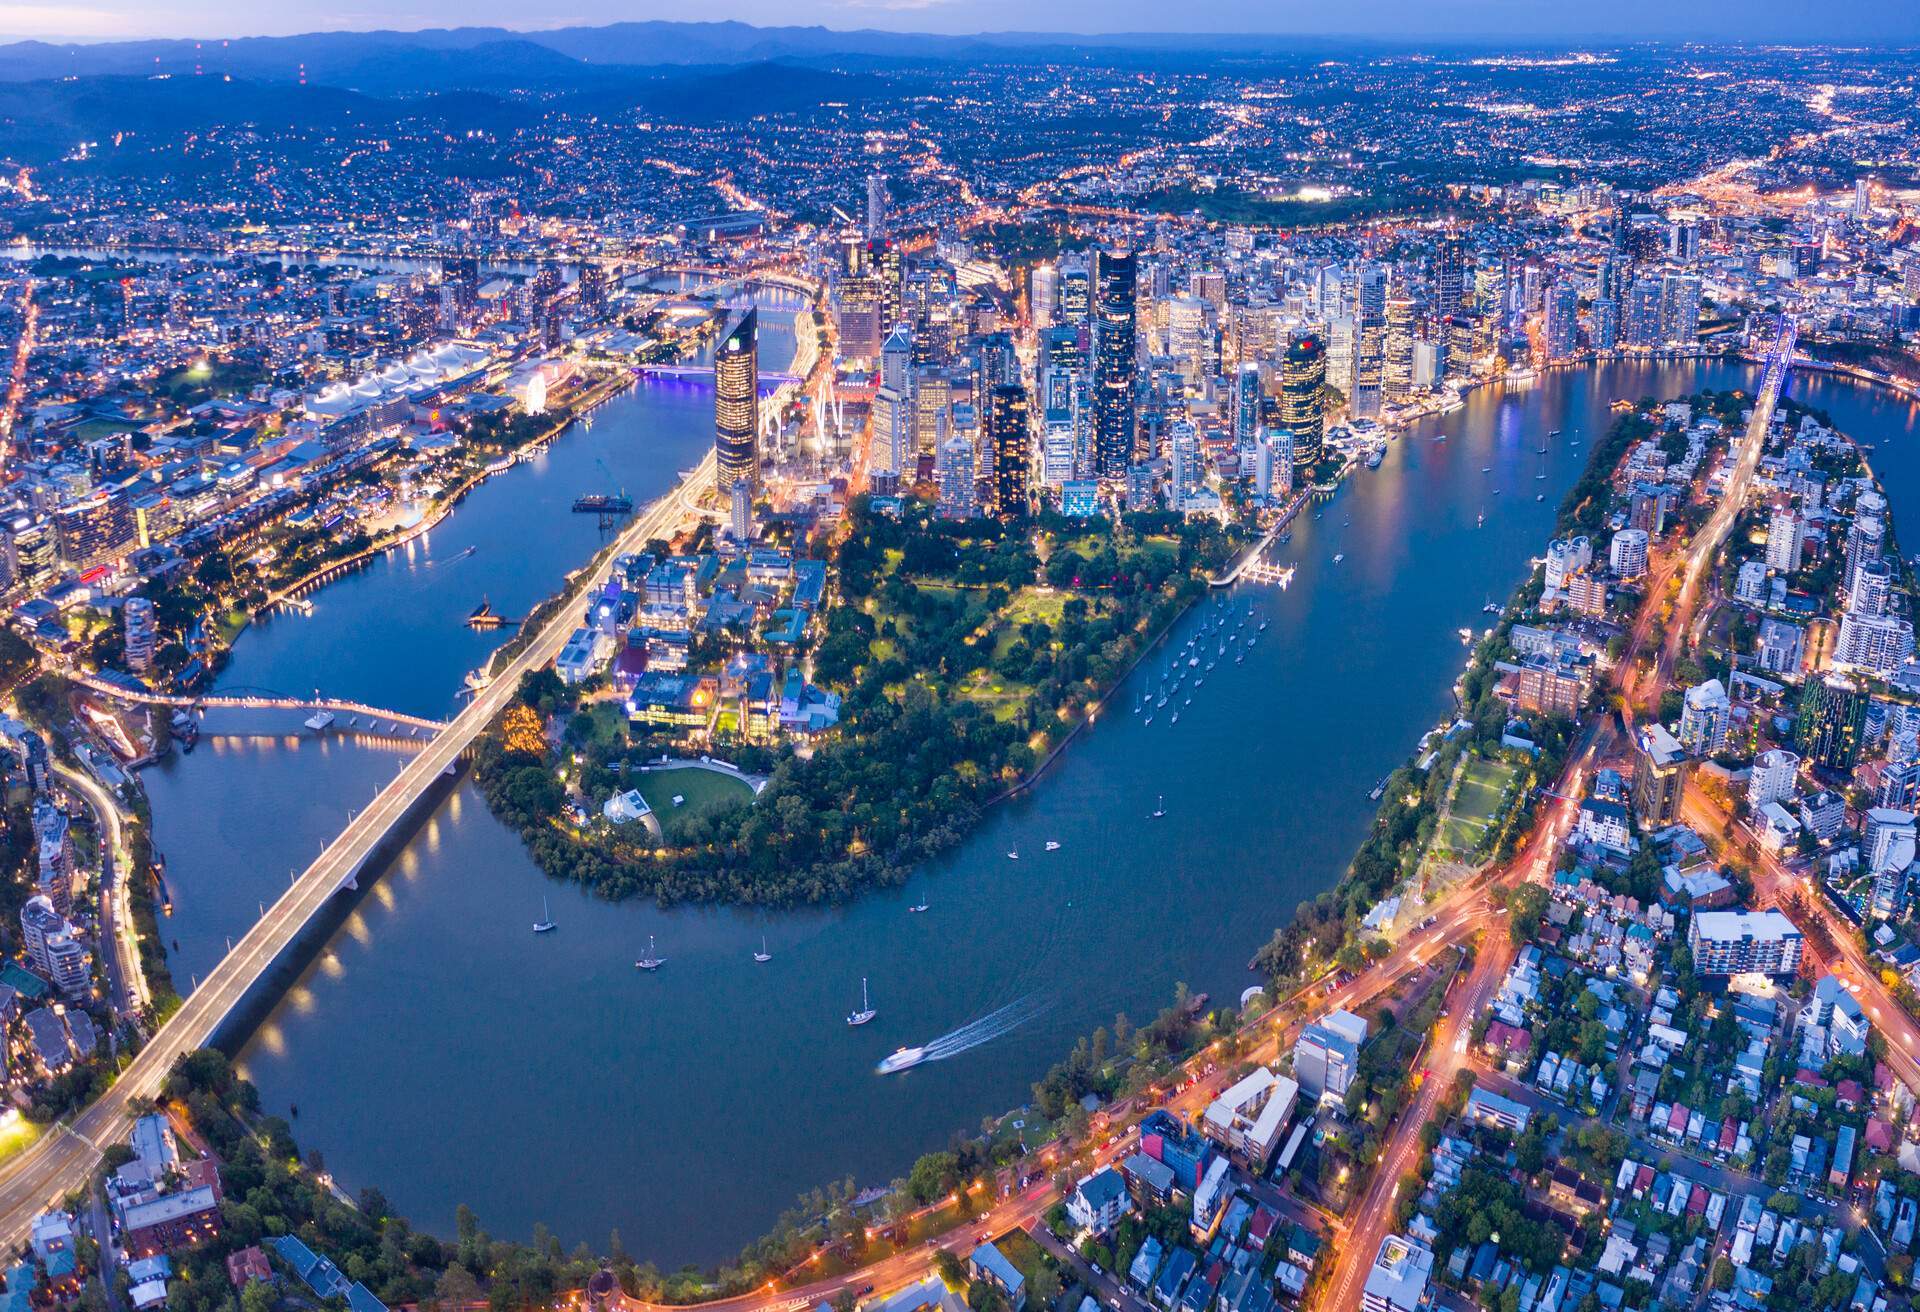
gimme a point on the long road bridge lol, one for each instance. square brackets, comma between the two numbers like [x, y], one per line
[62, 1159]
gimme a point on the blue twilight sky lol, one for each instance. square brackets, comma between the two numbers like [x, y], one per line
[1769, 20]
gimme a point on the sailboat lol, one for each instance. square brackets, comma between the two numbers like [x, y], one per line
[1013, 853]
[866, 1012]
[1159, 807]
[918, 908]
[763, 955]
[545, 922]
[651, 961]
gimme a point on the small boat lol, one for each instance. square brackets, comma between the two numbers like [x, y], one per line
[1159, 807]
[1486, 469]
[1491, 608]
[1339, 556]
[320, 721]
[1540, 496]
[903, 1059]
[1175, 719]
[763, 955]
[1239, 660]
[918, 909]
[1262, 629]
[1013, 853]
[1439, 437]
[651, 961]
[545, 922]
[1149, 719]
[1202, 679]
[1052, 846]
[866, 1012]
[1466, 636]
[1193, 660]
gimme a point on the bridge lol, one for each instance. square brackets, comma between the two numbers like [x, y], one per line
[704, 373]
[253, 699]
[62, 1159]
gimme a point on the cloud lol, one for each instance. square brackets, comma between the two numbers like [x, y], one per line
[63, 21]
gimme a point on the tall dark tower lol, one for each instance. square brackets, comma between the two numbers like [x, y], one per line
[1113, 362]
[1302, 407]
[736, 404]
[1009, 439]
[1449, 276]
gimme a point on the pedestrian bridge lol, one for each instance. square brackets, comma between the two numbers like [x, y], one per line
[258, 699]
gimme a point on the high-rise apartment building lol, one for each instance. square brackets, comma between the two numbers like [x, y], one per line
[1114, 351]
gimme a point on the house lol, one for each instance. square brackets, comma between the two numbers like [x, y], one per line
[1099, 1201]
[929, 1295]
[248, 1265]
[1488, 1108]
[316, 1272]
[987, 1263]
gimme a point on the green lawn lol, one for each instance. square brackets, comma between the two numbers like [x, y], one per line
[705, 791]
[1476, 803]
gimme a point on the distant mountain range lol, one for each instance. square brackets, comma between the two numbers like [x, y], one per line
[400, 63]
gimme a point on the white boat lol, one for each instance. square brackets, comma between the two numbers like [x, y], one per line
[545, 922]
[866, 1012]
[1263, 628]
[652, 961]
[1052, 846]
[763, 955]
[1339, 556]
[918, 909]
[320, 721]
[1175, 719]
[903, 1060]
[1159, 807]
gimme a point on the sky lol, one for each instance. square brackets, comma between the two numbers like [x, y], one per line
[1769, 20]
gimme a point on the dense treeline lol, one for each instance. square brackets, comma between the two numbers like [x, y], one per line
[915, 759]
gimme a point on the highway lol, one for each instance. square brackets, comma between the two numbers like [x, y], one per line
[60, 1162]
[126, 980]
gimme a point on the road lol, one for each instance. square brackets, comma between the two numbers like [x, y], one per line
[126, 981]
[60, 1162]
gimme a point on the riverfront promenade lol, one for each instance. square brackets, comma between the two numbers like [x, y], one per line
[62, 1159]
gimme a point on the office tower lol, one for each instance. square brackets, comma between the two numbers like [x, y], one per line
[137, 618]
[1273, 466]
[736, 404]
[1706, 713]
[32, 551]
[1183, 451]
[1303, 375]
[1247, 400]
[1449, 276]
[1342, 330]
[932, 399]
[1463, 343]
[1396, 377]
[1190, 338]
[1783, 542]
[1679, 309]
[1076, 289]
[889, 273]
[1369, 344]
[896, 360]
[1210, 285]
[1326, 1056]
[1830, 724]
[892, 432]
[740, 512]
[876, 205]
[1011, 444]
[953, 474]
[1862, 199]
[1043, 295]
[1114, 421]
[1561, 327]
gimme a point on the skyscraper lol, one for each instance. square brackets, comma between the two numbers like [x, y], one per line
[1011, 443]
[1680, 309]
[1449, 276]
[736, 403]
[1113, 362]
[1369, 344]
[1303, 371]
[1246, 407]
[1561, 325]
[876, 205]
[1396, 375]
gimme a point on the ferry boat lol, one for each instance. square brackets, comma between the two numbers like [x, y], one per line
[320, 721]
[905, 1059]
[1052, 846]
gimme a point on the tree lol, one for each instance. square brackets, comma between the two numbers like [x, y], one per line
[951, 1269]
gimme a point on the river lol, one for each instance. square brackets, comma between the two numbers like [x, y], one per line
[438, 1048]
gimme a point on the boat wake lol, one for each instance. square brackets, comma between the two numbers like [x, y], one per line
[995, 1024]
